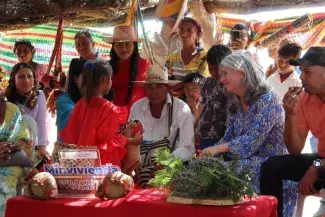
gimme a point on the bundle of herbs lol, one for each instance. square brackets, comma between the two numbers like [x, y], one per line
[202, 178]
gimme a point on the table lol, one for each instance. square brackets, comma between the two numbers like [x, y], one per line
[142, 203]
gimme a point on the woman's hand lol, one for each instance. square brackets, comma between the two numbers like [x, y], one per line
[42, 152]
[5, 150]
[214, 150]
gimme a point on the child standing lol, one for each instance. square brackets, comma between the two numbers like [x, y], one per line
[96, 121]
[192, 89]
[211, 123]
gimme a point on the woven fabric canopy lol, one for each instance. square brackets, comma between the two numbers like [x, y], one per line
[43, 39]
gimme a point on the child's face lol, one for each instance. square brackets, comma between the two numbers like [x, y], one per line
[192, 90]
[214, 71]
[107, 85]
[284, 66]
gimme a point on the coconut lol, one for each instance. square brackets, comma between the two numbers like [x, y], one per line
[115, 185]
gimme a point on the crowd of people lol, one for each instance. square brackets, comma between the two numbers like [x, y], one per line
[214, 102]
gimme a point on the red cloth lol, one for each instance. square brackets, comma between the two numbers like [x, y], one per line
[97, 123]
[144, 203]
[121, 82]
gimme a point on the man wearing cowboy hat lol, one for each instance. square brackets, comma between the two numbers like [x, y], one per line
[153, 112]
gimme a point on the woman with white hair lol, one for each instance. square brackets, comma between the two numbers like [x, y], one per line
[255, 122]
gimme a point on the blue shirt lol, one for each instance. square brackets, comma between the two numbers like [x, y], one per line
[64, 107]
[257, 134]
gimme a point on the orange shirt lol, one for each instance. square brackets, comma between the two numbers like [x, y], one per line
[311, 116]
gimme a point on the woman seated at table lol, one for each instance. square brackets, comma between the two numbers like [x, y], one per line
[96, 121]
[22, 91]
[25, 51]
[14, 144]
[191, 58]
[255, 122]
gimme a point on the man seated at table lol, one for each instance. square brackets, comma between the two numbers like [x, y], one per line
[305, 111]
[164, 117]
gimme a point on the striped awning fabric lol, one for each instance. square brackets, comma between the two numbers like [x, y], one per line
[43, 39]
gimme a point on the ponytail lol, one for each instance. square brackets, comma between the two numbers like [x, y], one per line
[92, 72]
[87, 82]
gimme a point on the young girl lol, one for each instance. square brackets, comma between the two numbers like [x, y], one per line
[96, 121]
[22, 91]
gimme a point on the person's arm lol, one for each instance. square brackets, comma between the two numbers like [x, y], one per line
[185, 147]
[110, 143]
[41, 120]
[294, 138]
[250, 142]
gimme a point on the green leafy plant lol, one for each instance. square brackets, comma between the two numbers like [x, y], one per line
[204, 178]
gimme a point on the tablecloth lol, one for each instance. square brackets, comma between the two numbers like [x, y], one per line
[142, 203]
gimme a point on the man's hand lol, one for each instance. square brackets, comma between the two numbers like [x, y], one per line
[306, 185]
[291, 99]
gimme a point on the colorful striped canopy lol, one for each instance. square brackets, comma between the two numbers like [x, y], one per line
[43, 39]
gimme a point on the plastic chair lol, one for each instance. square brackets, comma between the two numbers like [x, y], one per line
[33, 129]
[312, 211]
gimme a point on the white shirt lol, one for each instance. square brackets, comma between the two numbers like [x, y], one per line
[157, 129]
[39, 114]
[282, 88]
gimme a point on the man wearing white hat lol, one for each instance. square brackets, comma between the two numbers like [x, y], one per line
[164, 116]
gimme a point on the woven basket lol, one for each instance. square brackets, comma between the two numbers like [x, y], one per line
[60, 146]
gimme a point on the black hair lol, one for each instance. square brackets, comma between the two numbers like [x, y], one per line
[134, 66]
[92, 72]
[240, 26]
[196, 78]
[85, 33]
[290, 50]
[217, 53]
[24, 42]
[75, 70]
[29, 100]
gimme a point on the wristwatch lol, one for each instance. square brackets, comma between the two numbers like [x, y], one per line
[318, 164]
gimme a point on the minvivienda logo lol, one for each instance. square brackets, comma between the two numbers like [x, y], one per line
[57, 170]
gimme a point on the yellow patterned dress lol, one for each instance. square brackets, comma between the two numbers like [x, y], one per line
[12, 129]
[177, 69]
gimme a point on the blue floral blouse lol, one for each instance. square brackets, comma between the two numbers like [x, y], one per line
[257, 134]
